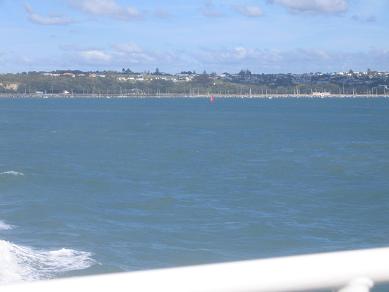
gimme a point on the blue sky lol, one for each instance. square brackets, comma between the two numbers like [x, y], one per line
[215, 35]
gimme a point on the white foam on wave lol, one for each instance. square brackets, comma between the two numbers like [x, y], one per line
[5, 226]
[12, 172]
[20, 263]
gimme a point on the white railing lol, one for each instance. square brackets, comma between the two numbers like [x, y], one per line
[349, 271]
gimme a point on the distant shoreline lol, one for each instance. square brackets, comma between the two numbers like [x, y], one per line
[204, 96]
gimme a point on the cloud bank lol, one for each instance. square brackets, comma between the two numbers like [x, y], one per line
[46, 20]
[95, 56]
[233, 59]
[317, 6]
[249, 10]
[108, 8]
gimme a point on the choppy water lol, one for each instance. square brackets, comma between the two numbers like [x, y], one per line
[95, 186]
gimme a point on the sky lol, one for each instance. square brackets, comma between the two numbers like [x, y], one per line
[264, 36]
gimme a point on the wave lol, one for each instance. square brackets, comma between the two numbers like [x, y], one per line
[20, 263]
[5, 226]
[12, 172]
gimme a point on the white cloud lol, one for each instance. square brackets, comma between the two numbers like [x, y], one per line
[46, 20]
[318, 6]
[239, 53]
[95, 56]
[110, 8]
[132, 53]
[250, 11]
[129, 48]
[116, 55]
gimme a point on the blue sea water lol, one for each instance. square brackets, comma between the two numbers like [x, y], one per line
[96, 186]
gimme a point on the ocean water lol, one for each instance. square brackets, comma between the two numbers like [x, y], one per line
[97, 186]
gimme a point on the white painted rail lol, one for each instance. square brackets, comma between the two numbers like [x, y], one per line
[349, 271]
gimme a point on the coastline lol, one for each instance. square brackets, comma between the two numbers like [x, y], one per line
[201, 96]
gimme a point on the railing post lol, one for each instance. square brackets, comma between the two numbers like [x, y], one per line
[358, 285]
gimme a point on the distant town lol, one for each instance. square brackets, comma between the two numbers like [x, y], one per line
[126, 83]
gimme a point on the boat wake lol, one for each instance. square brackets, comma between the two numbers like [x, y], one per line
[12, 172]
[5, 226]
[20, 263]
